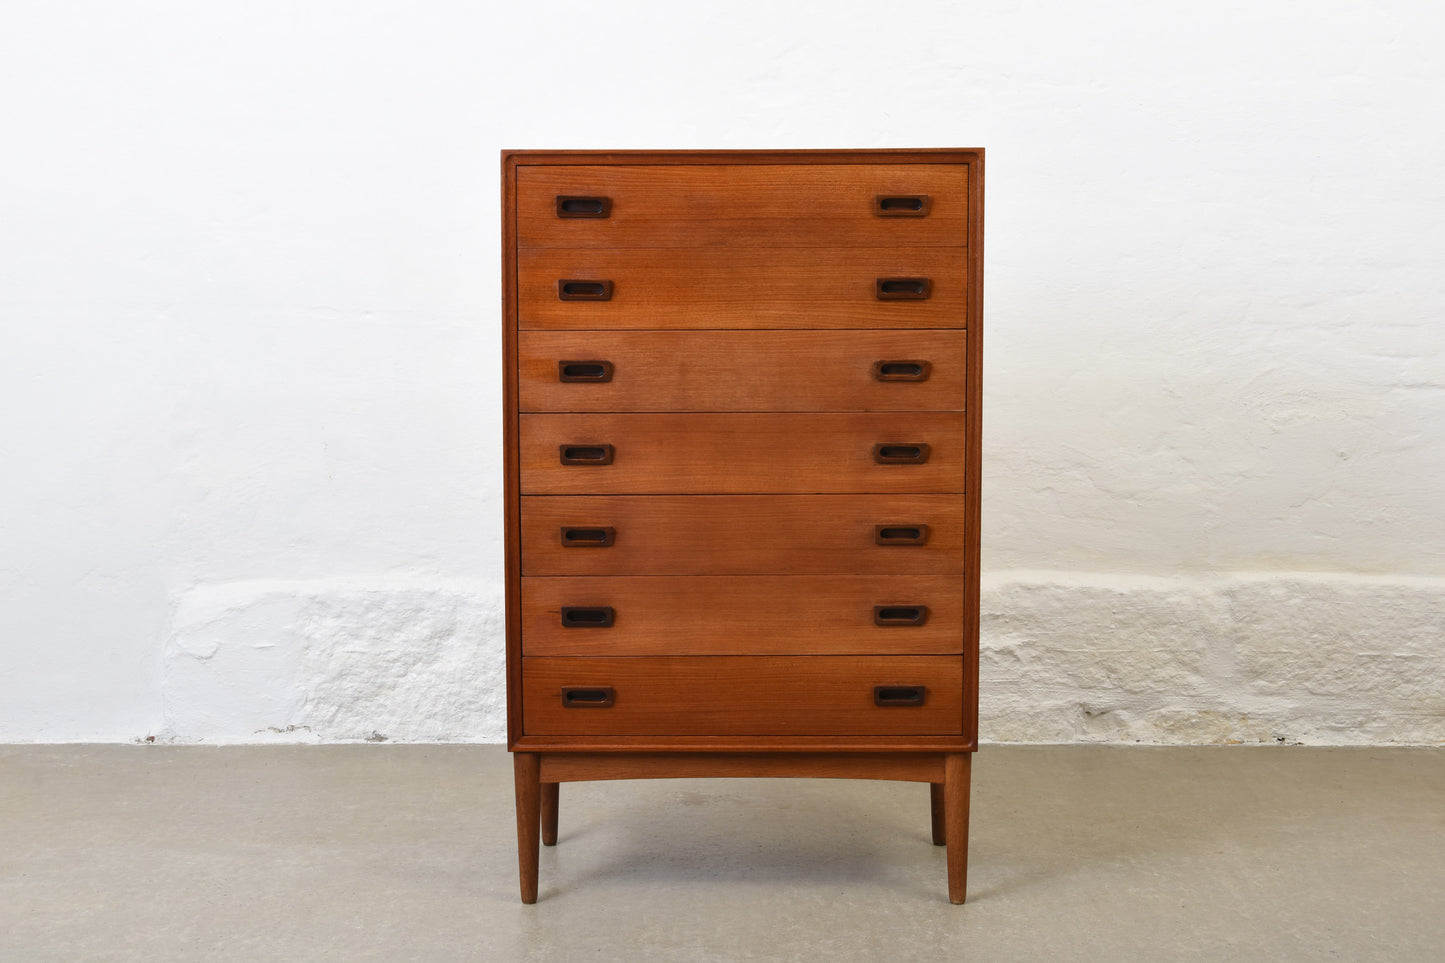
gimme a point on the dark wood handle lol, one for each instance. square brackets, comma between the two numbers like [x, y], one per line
[899, 695]
[902, 205]
[904, 289]
[588, 537]
[900, 534]
[588, 696]
[573, 206]
[585, 371]
[901, 370]
[900, 454]
[571, 289]
[586, 454]
[900, 615]
[588, 616]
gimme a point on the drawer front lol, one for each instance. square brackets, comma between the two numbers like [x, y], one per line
[724, 205]
[741, 370]
[742, 288]
[743, 615]
[742, 534]
[575, 454]
[742, 695]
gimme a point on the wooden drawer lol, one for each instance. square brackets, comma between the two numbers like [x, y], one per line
[743, 615]
[729, 205]
[742, 370]
[743, 288]
[742, 695]
[742, 534]
[574, 454]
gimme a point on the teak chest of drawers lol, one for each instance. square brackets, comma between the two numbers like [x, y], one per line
[742, 471]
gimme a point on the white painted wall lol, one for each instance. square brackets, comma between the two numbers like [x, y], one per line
[248, 376]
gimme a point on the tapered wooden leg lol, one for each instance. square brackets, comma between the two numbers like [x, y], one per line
[549, 812]
[527, 770]
[956, 769]
[935, 807]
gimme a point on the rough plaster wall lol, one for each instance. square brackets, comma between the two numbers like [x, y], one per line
[248, 289]
[1258, 658]
[336, 660]
[1262, 658]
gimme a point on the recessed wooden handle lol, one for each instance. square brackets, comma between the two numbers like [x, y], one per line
[573, 206]
[588, 616]
[901, 370]
[588, 696]
[585, 454]
[899, 695]
[584, 371]
[588, 537]
[900, 534]
[578, 290]
[904, 289]
[900, 615]
[902, 205]
[900, 454]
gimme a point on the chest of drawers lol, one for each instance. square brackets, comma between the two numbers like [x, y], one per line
[742, 471]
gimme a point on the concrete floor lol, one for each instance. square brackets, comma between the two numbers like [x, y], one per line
[408, 853]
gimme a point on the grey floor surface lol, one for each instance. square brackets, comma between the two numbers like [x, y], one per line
[408, 853]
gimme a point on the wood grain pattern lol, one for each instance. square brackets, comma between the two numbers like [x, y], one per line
[743, 695]
[742, 370]
[740, 453]
[609, 745]
[744, 615]
[957, 769]
[526, 779]
[511, 520]
[742, 205]
[902, 767]
[698, 288]
[973, 468]
[727, 270]
[550, 799]
[742, 534]
[892, 156]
